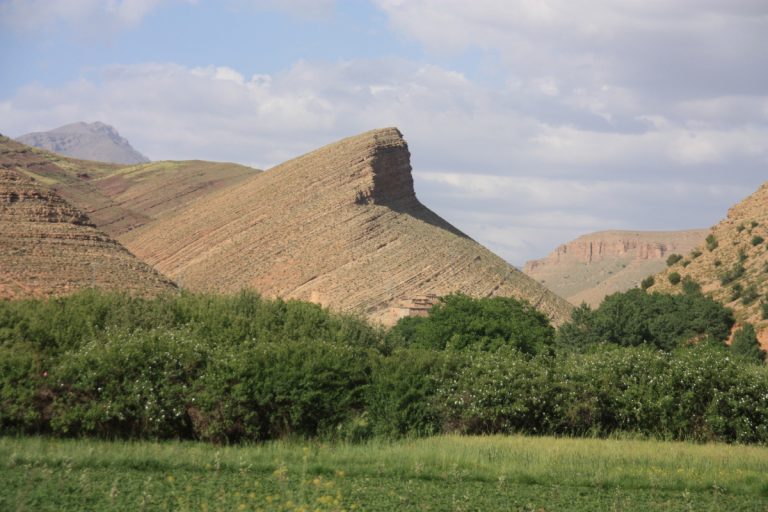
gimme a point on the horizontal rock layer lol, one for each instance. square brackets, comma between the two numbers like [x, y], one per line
[598, 264]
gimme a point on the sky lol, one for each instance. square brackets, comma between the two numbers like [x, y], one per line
[530, 122]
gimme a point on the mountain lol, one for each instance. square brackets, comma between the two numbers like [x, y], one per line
[119, 198]
[340, 226]
[49, 248]
[595, 265]
[732, 264]
[90, 141]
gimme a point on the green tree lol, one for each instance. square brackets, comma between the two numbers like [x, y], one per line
[460, 322]
[746, 345]
[638, 318]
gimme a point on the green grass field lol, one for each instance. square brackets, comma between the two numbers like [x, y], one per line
[442, 473]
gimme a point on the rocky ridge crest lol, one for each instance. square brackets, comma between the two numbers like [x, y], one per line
[340, 226]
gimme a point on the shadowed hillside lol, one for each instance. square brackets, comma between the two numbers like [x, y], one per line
[340, 226]
[48, 247]
[595, 265]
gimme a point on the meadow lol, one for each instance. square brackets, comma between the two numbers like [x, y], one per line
[438, 473]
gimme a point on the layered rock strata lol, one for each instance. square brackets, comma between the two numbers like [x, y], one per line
[595, 265]
[49, 248]
[340, 226]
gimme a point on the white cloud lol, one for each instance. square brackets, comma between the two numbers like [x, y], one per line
[39, 16]
[301, 8]
[482, 156]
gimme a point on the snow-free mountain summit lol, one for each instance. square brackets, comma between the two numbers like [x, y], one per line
[89, 141]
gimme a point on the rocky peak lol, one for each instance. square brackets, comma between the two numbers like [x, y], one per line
[89, 141]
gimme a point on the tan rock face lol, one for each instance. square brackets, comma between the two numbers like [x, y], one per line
[340, 225]
[595, 265]
[48, 247]
[736, 244]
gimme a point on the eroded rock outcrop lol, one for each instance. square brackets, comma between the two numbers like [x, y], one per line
[597, 264]
[48, 247]
[341, 226]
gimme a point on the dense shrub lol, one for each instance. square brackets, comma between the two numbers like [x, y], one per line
[757, 240]
[274, 390]
[183, 378]
[674, 278]
[695, 393]
[690, 286]
[736, 291]
[24, 399]
[402, 397]
[749, 295]
[731, 275]
[460, 322]
[501, 392]
[638, 318]
[65, 323]
[647, 282]
[673, 258]
[711, 242]
[128, 384]
[745, 344]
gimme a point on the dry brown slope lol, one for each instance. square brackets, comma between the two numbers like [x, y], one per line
[595, 265]
[49, 248]
[118, 198]
[341, 226]
[738, 244]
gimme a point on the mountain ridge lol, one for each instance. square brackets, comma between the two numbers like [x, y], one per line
[90, 141]
[594, 265]
[341, 226]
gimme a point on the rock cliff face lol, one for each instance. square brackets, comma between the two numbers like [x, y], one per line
[598, 264]
[340, 226]
[48, 247]
[90, 141]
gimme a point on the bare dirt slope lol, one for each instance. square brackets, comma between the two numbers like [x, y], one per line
[89, 141]
[49, 248]
[118, 198]
[733, 265]
[596, 265]
[340, 226]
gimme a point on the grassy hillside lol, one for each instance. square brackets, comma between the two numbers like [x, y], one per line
[444, 473]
